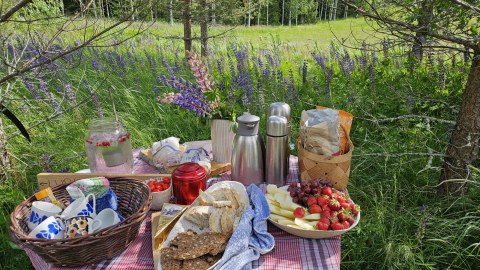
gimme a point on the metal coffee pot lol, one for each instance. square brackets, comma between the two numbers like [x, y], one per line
[247, 155]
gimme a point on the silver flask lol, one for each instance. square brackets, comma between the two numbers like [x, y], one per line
[247, 154]
[283, 109]
[276, 156]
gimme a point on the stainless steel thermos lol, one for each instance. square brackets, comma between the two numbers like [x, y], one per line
[278, 151]
[247, 154]
[276, 156]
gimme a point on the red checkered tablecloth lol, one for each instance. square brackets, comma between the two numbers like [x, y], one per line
[290, 252]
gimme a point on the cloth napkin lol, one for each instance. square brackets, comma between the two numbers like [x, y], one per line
[250, 238]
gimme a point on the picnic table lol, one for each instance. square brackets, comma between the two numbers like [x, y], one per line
[290, 252]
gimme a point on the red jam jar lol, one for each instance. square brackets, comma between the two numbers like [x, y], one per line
[188, 178]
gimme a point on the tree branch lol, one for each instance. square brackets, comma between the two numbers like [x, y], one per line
[467, 5]
[14, 9]
[411, 27]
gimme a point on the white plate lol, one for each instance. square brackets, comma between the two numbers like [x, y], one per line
[183, 224]
[314, 234]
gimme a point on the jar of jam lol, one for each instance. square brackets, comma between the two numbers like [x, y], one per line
[108, 146]
[188, 178]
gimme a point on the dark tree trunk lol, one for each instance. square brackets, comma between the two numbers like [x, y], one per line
[187, 26]
[424, 19]
[204, 27]
[462, 149]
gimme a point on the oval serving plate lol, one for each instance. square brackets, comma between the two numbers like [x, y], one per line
[183, 224]
[312, 234]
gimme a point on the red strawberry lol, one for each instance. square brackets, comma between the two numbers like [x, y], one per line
[355, 208]
[322, 226]
[326, 207]
[345, 205]
[324, 220]
[337, 226]
[311, 200]
[346, 225]
[341, 199]
[327, 191]
[334, 205]
[350, 220]
[322, 200]
[299, 212]
[334, 219]
[342, 216]
[314, 209]
[325, 213]
[333, 214]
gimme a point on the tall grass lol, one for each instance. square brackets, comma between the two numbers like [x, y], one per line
[395, 164]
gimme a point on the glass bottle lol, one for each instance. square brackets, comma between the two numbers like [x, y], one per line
[108, 146]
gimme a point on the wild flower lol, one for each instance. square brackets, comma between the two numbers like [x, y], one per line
[68, 92]
[45, 162]
[372, 76]
[304, 71]
[95, 64]
[31, 88]
[347, 65]
[385, 47]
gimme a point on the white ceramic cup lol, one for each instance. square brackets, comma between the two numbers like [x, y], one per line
[40, 211]
[80, 207]
[50, 228]
[106, 218]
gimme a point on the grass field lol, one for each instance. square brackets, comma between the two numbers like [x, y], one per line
[395, 166]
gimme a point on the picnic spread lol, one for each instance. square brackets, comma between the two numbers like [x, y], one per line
[172, 206]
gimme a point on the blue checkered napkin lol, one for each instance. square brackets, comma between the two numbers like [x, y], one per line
[250, 239]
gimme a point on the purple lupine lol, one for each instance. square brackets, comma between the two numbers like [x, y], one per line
[441, 74]
[45, 162]
[54, 102]
[363, 57]
[97, 104]
[385, 47]
[68, 92]
[304, 71]
[220, 67]
[291, 87]
[347, 65]
[372, 76]
[43, 86]
[375, 60]
[31, 88]
[95, 64]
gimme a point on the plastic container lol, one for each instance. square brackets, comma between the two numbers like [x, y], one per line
[108, 147]
[188, 178]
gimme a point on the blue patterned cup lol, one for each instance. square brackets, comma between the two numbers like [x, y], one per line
[40, 211]
[50, 228]
[80, 207]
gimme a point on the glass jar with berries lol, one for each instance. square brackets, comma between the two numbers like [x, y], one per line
[108, 146]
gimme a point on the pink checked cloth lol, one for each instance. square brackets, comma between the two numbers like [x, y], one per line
[290, 252]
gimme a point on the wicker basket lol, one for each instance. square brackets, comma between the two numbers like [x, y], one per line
[336, 169]
[134, 201]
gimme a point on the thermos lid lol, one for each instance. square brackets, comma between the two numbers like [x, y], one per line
[277, 126]
[247, 124]
[189, 172]
[281, 109]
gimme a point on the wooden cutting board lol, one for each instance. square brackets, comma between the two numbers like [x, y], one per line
[216, 169]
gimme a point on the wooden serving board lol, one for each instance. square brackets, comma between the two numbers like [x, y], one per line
[54, 179]
[216, 169]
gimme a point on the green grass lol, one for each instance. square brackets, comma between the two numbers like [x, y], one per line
[404, 224]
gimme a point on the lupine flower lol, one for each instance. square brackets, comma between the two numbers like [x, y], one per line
[95, 64]
[97, 105]
[220, 67]
[68, 92]
[31, 88]
[371, 75]
[291, 86]
[45, 162]
[43, 86]
[441, 74]
[385, 47]
[304, 71]
[200, 72]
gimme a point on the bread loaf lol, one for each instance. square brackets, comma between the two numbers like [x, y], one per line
[200, 215]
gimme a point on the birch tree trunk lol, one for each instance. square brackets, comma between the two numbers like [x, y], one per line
[95, 8]
[131, 8]
[108, 9]
[214, 19]
[290, 14]
[249, 13]
[267, 12]
[259, 12]
[283, 11]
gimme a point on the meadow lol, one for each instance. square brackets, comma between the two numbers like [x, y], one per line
[403, 112]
